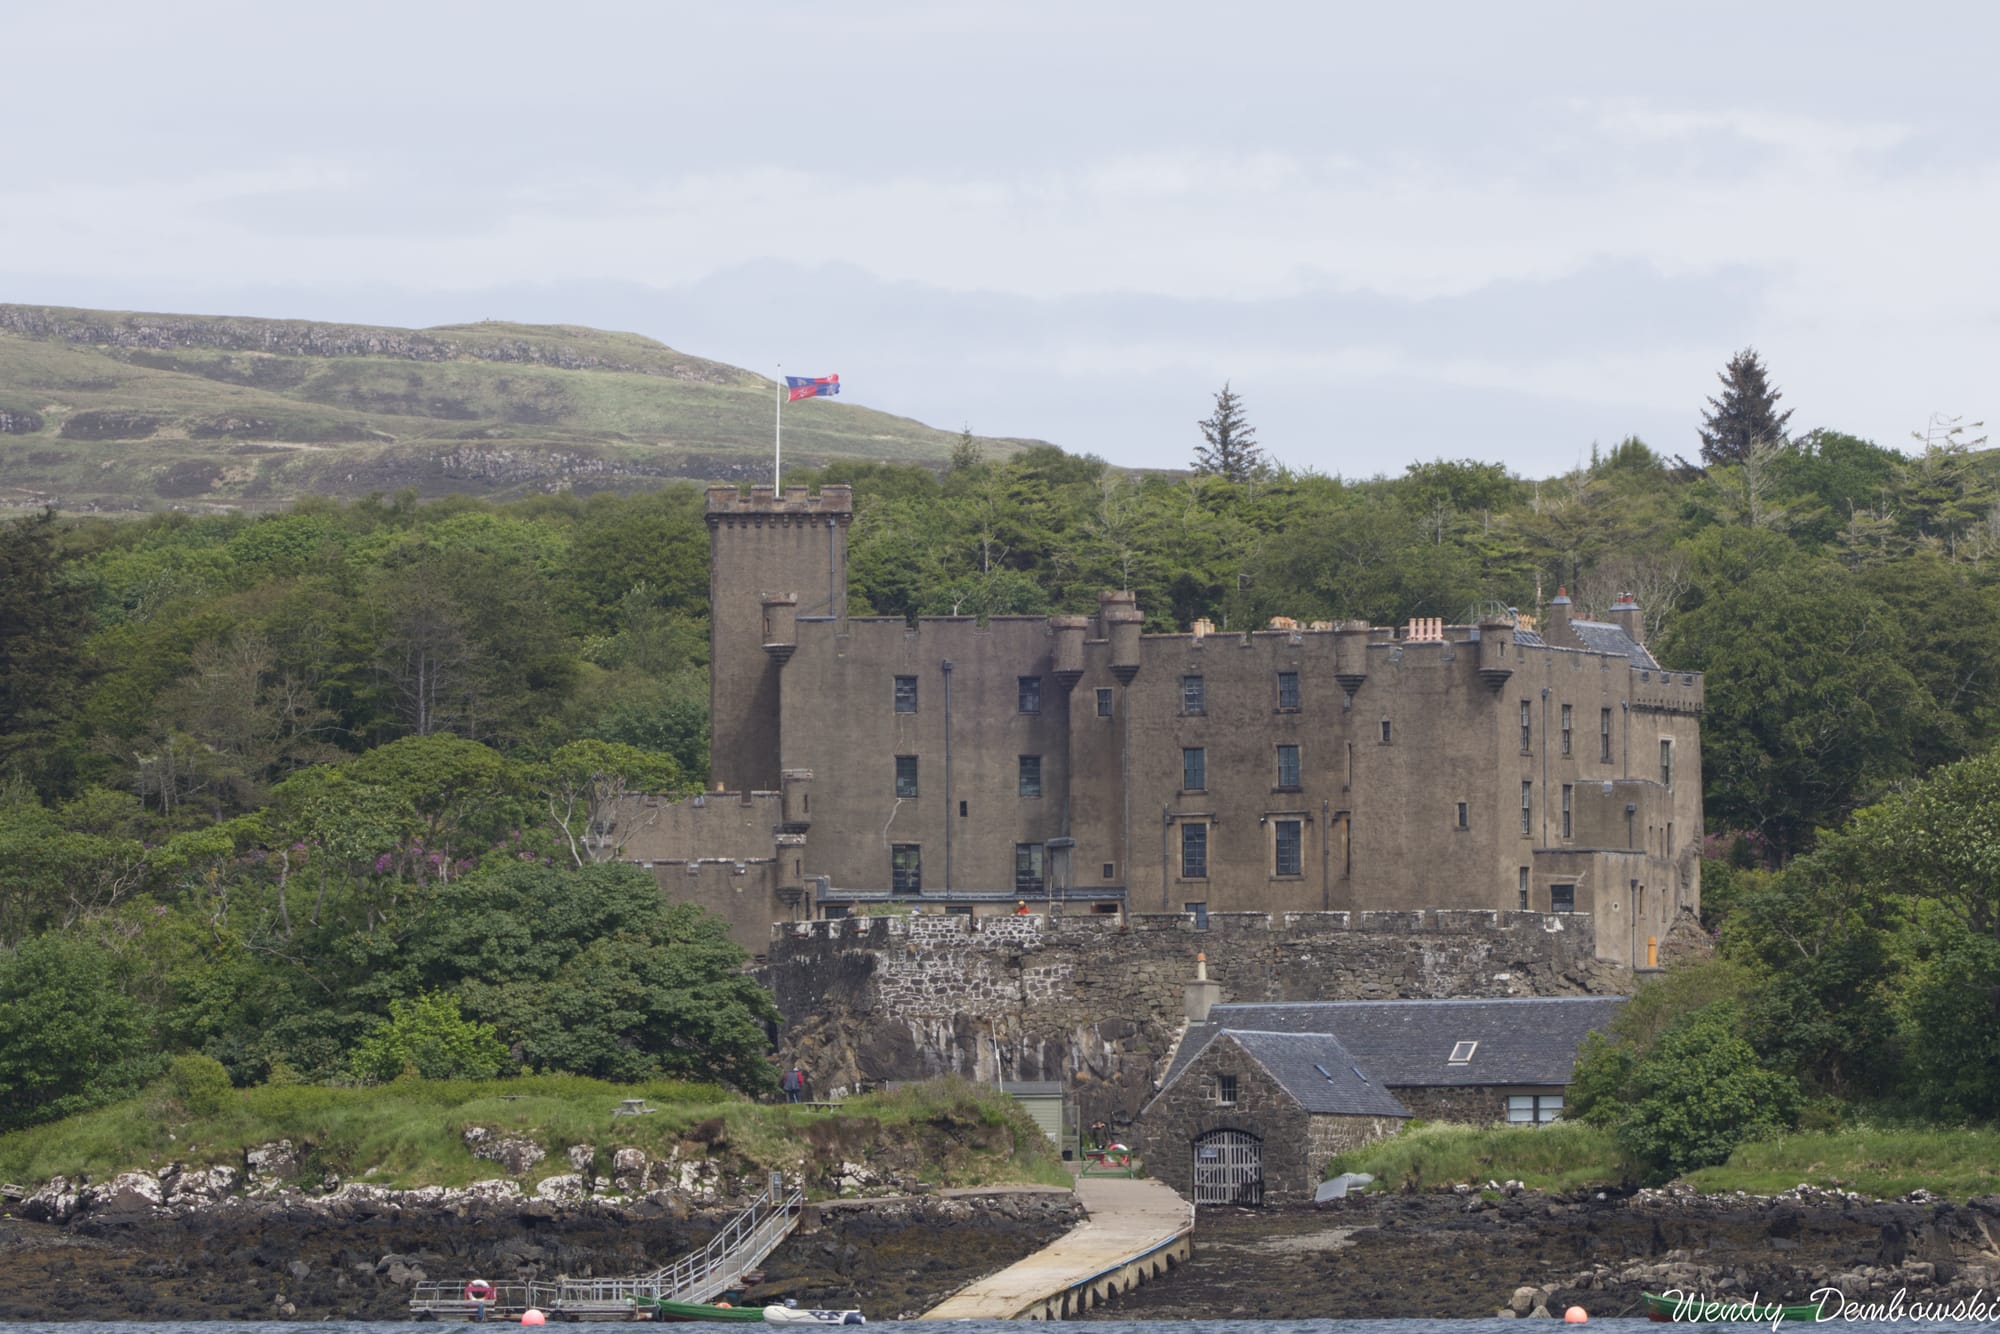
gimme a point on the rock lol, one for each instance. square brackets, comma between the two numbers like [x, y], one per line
[567, 1189]
[1540, 1312]
[270, 1165]
[1507, 1313]
[514, 1153]
[628, 1170]
[55, 1202]
[1522, 1300]
[194, 1187]
[581, 1156]
[299, 1269]
[126, 1193]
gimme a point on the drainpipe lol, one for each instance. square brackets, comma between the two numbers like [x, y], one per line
[1545, 764]
[1166, 884]
[948, 807]
[1325, 856]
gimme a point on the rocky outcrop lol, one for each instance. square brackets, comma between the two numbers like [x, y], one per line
[357, 1258]
[17, 422]
[1480, 1253]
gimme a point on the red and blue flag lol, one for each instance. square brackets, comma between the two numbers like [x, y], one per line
[801, 387]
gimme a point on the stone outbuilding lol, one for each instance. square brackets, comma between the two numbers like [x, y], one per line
[1258, 1098]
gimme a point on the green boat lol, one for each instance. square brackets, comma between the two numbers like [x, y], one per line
[666, 1310]
[1687, 1309]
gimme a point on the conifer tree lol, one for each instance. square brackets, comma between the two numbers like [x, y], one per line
[1745, 415]
[1230, 449]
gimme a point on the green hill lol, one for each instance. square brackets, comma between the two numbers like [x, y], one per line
[107, 410]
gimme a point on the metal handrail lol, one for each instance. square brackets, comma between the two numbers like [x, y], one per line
[743, 1243]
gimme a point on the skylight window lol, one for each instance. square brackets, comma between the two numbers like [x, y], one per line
[1461, 1054]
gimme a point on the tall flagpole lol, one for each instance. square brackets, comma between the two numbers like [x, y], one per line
[778, 437]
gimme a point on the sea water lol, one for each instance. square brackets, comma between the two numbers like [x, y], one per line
[1488, 1326]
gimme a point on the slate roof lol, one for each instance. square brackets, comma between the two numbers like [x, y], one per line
[1314, 1068]
[1408, 1044]
[1604, 637]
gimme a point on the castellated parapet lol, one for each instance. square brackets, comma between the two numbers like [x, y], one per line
[1097, 1003]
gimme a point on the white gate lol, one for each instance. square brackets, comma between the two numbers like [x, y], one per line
[1228, 1168]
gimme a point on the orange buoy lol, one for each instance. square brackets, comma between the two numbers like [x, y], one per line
[533, 1317]
[1576, 1315]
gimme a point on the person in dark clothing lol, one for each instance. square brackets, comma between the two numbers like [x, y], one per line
[794, 1085]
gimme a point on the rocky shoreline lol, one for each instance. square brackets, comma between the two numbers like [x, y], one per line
[1472, 1254]
[188, 1244]
[355, 1254]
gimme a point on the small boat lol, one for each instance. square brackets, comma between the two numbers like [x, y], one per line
[1687, 1308]
[663, 1309]
[800, 1315]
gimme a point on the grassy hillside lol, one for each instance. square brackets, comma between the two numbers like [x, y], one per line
[946, 1132]
[104, 410]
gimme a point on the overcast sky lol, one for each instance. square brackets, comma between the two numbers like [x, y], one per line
[1498, 231]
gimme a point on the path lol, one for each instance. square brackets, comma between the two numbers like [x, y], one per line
[1136, 1229]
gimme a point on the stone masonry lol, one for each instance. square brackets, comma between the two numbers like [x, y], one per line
[1097, 1004]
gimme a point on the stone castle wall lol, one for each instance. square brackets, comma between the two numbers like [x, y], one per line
[1098, 1004]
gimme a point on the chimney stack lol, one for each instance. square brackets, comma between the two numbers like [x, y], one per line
[1557, 632]
[1202, 993]
[1625, 615]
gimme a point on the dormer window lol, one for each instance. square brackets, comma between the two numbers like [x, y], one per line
[1461, 1053]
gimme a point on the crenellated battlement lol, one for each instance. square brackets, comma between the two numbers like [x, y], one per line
[726, 503]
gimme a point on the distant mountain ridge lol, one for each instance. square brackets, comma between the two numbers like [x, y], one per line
[113, 410]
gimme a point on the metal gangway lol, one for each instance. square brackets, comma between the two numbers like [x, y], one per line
[742, 1244]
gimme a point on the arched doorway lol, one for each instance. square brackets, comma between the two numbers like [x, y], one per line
[1228, 1168]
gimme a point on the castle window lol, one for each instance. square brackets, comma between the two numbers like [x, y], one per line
[1194, 769]
[906, 775]
[1194, 696]
[1198, 911]
[1527, 808]
[1288, 691]
[1031, 775]
[1534, 1109]
[906, 868]
[1666, 762]
[1111, 870]
[1288, 847]
[1288, 767]
[1461, 822]
[1524, 889]
[1030, 692]
[1385, 731]
[1562, 898]
[1028, 869]
[1567, 790]
[1565, 722]
[1104, 701]
[1527, 725]
[1604, 736]
[1194, 851]
[1225, 1090]
[906, 694]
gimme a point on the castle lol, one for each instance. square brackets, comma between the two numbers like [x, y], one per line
[1075, 765]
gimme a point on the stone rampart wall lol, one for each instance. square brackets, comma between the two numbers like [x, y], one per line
[1098, 1004]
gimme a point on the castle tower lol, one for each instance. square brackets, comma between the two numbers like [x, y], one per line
[773, 560]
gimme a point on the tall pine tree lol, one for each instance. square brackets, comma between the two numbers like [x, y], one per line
[1230, 449]
[1745, 415]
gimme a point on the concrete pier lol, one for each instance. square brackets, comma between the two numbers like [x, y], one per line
[1137, 1230]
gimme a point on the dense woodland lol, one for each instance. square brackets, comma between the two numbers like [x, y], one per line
[306, 793]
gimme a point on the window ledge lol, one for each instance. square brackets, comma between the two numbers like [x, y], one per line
[1290, 787]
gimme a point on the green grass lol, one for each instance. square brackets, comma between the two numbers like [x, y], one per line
[352, 424]
[411, 1132]
[1870, 1161]
[1571, 1156]
[1561, 1157]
